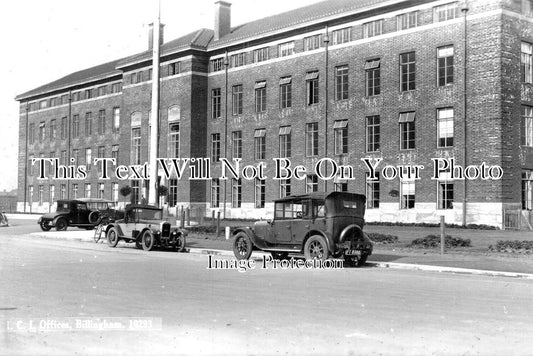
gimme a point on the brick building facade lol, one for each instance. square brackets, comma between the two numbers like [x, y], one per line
[401, 81]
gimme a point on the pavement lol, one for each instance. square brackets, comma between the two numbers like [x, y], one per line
[462, 261]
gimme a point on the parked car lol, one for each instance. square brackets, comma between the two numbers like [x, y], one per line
[83, 213]
[318, 225]
[144, 225]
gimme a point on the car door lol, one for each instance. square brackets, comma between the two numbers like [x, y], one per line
[82, 214]
[301, 225]
[280, 228]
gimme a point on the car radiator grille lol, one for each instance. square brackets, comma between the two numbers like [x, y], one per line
[165, 230]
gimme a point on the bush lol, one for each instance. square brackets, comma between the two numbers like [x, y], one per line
[206, 229]
[382, 239]
[455, 226]
[513, 246]
[432, 241]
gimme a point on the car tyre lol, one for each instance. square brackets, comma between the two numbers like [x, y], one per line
[316, 248]
[112, 237]
[44, 227]
[148, 240]
[242, 246]
[94, 216]
[61, 224]
[180, 243]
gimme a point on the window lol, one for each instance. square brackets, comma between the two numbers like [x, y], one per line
[135, 191]
[87, 193]
[64, 99]
[174, 68]
[527, 7]
[217, 64]
[260, 192]
[341, 36]
[260, 55]
[88, 94]
[43, 104]
[31, 133]
[215, 147]
[216, 103]
[285, 141]
[76, 96]
[101, 190]
[284, 188]
[88, 160]
[237, 95]
[42, 131]
[445, 127]
[174, 140]
[407, 71]
[236, 144]
[260, 96]
[53, 129]
[215, 193]
[172, 192]
[114, 152]
[30, 194]
[116, 119]
[341, 187]
[341, 83]
[407, 194]
[101, 154]
[372, 133]
[102, 91]
[311, 139]
[407, 21]
[238, 60]
[88, 124]
[445, 65]
[30, 164]
[311, 183]
[371, 29]
[312, 42]
[63, 191]
[373, 77]
[312, 87]
[116, 88]
[526, 63]
[286, 49]
[136, 145]
[407, 130]
[340, 129]
[101, 122]
[260, 144]
[527, 126]
[75, 156]
[74, 191]
[285, 92]
[53, 101]
[114, 192]
[527, 189]
[445, 12]
[136, 77]
[75, 126]
[236, 193]
[63, 158]
[41, 194]
[372, 192]
[445, 195]
[64, 128]
[149, 74]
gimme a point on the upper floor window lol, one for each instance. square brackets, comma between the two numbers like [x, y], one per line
[374, 28]
[260, 54]
[102, 90]
[215, 147]
[526, 63]
[260, 96]
[88, 94]
[236, 143]
[311, 79]
[372, 133]
[42, 131]
[285, 141]
[341, 82]
[527, 7]
[216, 100]
[237, 95]
[238, 60]
[116, 119]
[445, 12]
[527, 126]
[286, 49]
[407, 71]
[43, 104]
[174, 140]
[116, 88]
[53, 129]
[285, 92]
[373, 77]
[217, 64]
[340, 129]
[407, 21]
[445, 127]
[174, 68]
[311, 42]
[101, 122]
[260, 144]
[444, 65]
[311, 139]
[341, 36]
[407, 130]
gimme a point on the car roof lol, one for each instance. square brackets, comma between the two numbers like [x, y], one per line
[141, 206]
[322, 196]
[85, 200]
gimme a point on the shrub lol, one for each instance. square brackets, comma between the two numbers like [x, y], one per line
[382, 239]
[206, 229]
[432, 241]
[512, 246]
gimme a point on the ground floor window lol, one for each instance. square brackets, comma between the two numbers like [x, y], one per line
[372, 192]
[101, 190]
[172, 192]
[215, 193]
[407, 194]
[311, 183]
[74, 191]
[87, 190]
[341, 187]
[135, 191]
[445, 195]
[284, 188]
[236, 193]
[63, 193]
[41, 193]
[114, 191]
[260, 192]
[527, 189]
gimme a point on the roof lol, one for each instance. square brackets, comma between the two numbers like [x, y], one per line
[321, 196]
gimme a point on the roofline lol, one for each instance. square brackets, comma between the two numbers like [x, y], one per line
[301, 25]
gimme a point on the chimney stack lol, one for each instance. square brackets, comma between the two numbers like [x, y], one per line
[222, 19]
[151, 35]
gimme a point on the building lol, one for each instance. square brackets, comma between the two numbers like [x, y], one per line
[405, 81]
[8, 201]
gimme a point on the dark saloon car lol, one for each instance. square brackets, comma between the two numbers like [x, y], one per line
[83, 213]
[144, 225]
[319, 225]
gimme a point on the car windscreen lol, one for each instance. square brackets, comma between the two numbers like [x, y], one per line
[62, 206]
[149, 214]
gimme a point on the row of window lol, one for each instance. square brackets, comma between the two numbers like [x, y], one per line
[76, 193]
[370, 29]
[146, 75]
[58, 129]
[372, 68]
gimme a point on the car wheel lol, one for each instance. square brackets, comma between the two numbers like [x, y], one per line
[44, 226]
[280, 255]
[242, 246]
[94, 216]
[316, 248]
[148, 240]
[180, 243]
[61, 224]
[112, 237]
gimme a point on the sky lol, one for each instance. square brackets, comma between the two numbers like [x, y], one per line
[45, 40]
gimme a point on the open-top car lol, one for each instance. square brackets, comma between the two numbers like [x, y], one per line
[319, 225]
[144, 225]
[84, 213]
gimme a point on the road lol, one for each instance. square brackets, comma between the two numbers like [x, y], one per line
[258, 312]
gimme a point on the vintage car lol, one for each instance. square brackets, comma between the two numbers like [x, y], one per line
[319, 225]
[84, 213]
[144, 225]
